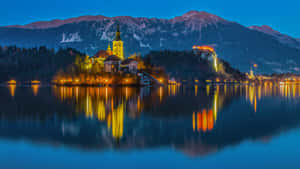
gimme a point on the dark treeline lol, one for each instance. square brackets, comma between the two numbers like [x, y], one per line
[185, 65]
[35, 63]
[42, 64]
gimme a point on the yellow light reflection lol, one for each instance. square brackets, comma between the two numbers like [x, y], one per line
[12, 89]
[117, 122]
[35, 89]
[196, 90]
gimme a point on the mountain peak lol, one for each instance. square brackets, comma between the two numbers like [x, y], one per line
[192, 14]
[199, 16]
[196, 20]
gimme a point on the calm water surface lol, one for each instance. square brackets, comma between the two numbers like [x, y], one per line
[226, 126]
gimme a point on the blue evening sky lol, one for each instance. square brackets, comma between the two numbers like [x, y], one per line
[281, 15]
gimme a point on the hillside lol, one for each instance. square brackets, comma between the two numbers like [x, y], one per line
[185, 65]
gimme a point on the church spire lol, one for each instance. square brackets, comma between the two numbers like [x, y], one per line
[118, 44]
[118, 33]
[109, 49]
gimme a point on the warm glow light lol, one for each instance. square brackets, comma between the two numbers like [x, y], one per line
[160, 94]
[35, 82]
[117, 122]
[194, 121]
[216, 63]
[207, 90]
[211, 49]
[12, 82]
[12, 88]
[76, 80]
[35, 88]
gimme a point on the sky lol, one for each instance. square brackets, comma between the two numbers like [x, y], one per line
[283, 16]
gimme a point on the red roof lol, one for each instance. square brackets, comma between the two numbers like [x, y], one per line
[101, 54]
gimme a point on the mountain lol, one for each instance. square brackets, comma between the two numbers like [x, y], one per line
[285, 39]
[239, 45]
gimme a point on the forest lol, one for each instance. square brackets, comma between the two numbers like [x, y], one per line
[38, 63]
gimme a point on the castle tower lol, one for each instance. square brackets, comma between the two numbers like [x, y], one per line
[108, 50]
[118, 44]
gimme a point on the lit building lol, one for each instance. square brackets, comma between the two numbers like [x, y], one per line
[118, 44]
[112, 64]
[129, 66]
[207, 52]
[100, 57]
[112, 59]
[109, 50]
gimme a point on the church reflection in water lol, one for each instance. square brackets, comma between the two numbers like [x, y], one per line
[195, 119]
[110, 105]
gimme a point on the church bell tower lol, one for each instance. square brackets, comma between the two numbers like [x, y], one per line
[118, 44]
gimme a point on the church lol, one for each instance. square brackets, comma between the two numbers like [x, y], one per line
[112, 60]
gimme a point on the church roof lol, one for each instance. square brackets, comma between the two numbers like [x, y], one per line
[101, 54]
[127, 61]
[112, 58]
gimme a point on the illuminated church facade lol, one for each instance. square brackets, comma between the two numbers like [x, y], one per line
[113, 59]
[118, 49]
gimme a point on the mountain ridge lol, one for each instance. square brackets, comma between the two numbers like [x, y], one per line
[59, 22]
[283, 38]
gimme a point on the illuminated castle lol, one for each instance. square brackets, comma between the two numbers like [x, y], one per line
[117, 45]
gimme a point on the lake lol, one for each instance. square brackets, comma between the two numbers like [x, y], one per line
[176, 126]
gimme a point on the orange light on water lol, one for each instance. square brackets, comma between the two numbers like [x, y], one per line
[210, 121]
[12, 82]
[204, 120]
[35, 88]
[12, 88]
[199, 121]
[76, 80]
[35, 82]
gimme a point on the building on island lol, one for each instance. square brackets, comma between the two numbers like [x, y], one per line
[100, 57]
[129, 66]
[108, 50]
[207, 52]
[112, 60]
[112, 64]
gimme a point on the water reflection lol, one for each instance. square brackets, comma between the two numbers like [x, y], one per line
[12, 89]
[205, 120]
[35, 89]
[194, 119]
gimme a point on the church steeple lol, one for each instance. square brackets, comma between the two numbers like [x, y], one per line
[118, 44]
[118, 33]
[109, 49]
